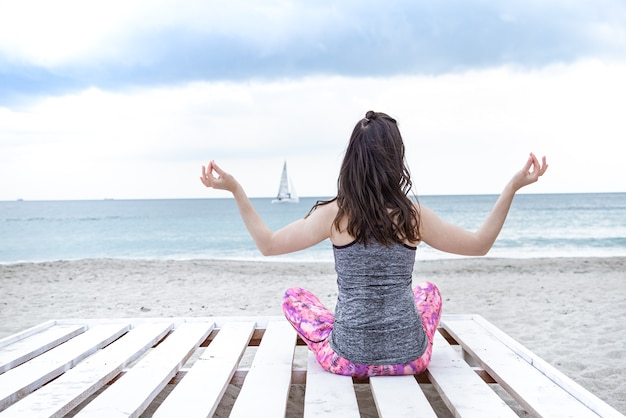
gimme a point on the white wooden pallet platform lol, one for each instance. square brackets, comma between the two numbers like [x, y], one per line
[182, 367]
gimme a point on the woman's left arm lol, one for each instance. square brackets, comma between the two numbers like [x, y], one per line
[451, 238]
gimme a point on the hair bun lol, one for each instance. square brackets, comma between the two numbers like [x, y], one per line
[370, 115]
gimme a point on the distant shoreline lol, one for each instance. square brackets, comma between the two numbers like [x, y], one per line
[274, 260]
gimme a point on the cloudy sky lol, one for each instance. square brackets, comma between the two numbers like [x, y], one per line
[127, 99]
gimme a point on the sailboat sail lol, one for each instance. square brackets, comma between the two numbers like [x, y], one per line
[286, 193]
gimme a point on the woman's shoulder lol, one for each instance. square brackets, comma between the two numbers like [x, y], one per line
[338, 236]
[324, 213]
[328, 207]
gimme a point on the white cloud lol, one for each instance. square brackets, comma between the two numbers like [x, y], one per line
[70, 32]
[77, 44]
[49, 34]
[465, 133]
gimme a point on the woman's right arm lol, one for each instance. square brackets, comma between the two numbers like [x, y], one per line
[296, 236]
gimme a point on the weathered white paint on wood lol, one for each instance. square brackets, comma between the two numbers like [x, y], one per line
[59, 397]
[33, 345]
[327, 394]
[78, 367]
[25, 378]
[10, 339]
[130, 395]
[400, 396]
[530, 387]
[266, 388]
[198, 394]
[460, 387]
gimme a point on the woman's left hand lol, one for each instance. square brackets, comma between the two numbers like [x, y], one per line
[530, 173]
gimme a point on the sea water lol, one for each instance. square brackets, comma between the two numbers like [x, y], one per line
[538, 225]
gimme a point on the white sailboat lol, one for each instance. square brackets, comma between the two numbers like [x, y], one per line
[286, 192]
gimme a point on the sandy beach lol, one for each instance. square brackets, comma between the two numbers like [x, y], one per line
[570, 311]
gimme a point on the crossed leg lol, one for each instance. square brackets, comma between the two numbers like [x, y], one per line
[314, 322]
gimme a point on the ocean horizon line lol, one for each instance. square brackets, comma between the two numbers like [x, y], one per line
[122, 199]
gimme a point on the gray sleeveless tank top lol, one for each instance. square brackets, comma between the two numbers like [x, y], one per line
[376, 321]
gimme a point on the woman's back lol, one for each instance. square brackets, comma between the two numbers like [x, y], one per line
[376, 321]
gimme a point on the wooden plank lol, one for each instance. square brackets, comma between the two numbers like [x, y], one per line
[25, 378]
[583, 395]
[532, 389]
[462, 390]
[131, 394]
[59, 397]
[31, 346]
[260, 321]
[41, 376]
[400, 396]
[265, 391]
[10, 339]
[198, 394]
[327, 394]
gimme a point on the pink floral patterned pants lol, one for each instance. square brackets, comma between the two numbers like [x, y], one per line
[314, 322]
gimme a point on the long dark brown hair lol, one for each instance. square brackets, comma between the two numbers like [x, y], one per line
[374, 183]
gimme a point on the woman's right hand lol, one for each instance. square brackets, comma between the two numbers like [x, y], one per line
[298, 235]
[223, 180]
